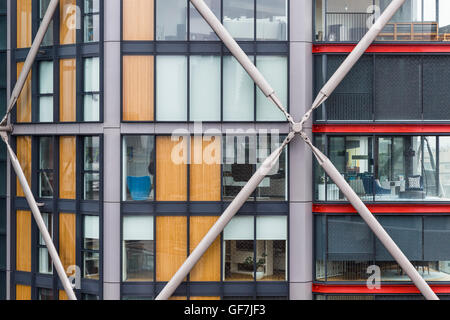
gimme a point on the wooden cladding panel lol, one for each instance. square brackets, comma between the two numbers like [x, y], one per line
[138, 88]
[23, 292]
[171, 169]
[171, 246]
[67, 167]
[23, 23]
[23, 241]
[205, 183]
[138, 20]
[67, 239]
[23, 150]
[67, 90]
[208, 268]
[68, 21]
[23, 104]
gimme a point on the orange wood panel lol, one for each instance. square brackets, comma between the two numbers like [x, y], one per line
[177, 298]
[23, 104]
[205, 169]
[23, 292]
[67, 90]
[204, 298]
[138, 80]
[171, 246]
[138, 20]
[63, 295]
[23, 23]
[67, 167]
[23, 241]
[67, 239]
[68, 21]
[171, 169]
[208, 268]
[23, 150]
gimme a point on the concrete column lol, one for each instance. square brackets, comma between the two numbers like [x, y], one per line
[8, 169]
[111, 207]
[300, 159]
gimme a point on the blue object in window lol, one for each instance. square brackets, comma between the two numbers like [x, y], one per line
[139, 187]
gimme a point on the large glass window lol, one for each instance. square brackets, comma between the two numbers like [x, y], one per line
[45, 172]
[349, 20]
[138, 258]
[239, 18]
[199, 29]
[271, 20]
[91, 111]
[138, 168]
[45, 262]
[91, 247]
[91, 168]
[46, 91]
[91, 20]
[171, 78]
[205, 88]
[48, 38]
[345, 247]
[171, 20]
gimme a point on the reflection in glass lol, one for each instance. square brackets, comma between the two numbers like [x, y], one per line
[91, 246]
[45, 167]
[138, 168]
[171, 20]
[91, 168]
[46, 91]
[91, 20]
[238, 18]
[45, 261]
[271, 20]
[199, 29]
[138, 248]
[48, 38]
[45, 294]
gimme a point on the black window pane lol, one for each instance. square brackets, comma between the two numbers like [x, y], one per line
[436, 96]
[2, 31]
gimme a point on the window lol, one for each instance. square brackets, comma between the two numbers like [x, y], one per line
[91, 20]
[48, 38]
[45, 294]
[271, 20]
[46, 91]
[171, 20]
[239, 18]
[205, 88]
[91, 169]
[46, 169]
[138, 258]
[91, 111]
[267, 260]
[91, 247]
[45, 261]
[199, 28]
[171, 78]
[347, 247]
[138, 168]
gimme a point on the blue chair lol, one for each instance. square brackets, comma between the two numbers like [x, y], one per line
[369, 184]
[139, 187]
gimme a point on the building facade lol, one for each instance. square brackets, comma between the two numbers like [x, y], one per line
[136, 128]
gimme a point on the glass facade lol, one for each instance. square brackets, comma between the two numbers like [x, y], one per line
[349, 20]
[3, 82]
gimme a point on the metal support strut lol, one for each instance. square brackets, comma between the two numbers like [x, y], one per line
[297, 129]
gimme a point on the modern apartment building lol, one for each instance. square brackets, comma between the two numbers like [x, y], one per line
[136, 128]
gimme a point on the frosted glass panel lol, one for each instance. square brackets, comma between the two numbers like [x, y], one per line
[274, 69]
[91, 227]
[46, 109]
[92, 74]
[91, 107]
[137, 228]
[171, 88]
[239, 228]
[238, 92]
[46, 77]
[205, 88]
[271, 228]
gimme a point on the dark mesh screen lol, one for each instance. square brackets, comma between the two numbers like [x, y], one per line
[437, 233]
[352, 99]
[318, 83]
[436, 93]
[398, 88]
